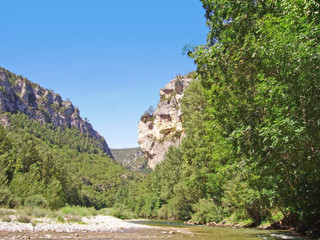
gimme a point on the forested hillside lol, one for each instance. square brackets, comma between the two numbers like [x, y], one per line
[48, 153]
[251, 151]
[39, 162]
[131, 158]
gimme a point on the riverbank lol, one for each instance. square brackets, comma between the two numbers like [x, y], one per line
[113, 228]
[84, 224]
[267, 226]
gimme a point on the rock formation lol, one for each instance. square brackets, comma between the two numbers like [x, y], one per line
[18, 94]
[131, 158]
[158, 131]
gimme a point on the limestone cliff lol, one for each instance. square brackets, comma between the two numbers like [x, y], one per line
[18, 94]
[158, 131]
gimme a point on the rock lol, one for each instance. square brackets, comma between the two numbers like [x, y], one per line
[20, 94]
[162, 129]
[211, 224]
[190, 222]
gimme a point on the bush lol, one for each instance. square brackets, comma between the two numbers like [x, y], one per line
[76, 210]
[105, 211]
[60, 219]
[14, 202]
[40, 212]
[36, 201]
[28, 211]
[147, 118]
[5, 196]
[206, 211]
[163, 212]
[74, 218]
[6, 218]
[120, 211]
[4, 212]
[24, 219]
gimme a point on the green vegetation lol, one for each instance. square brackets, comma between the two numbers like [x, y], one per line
[131, 158]
[251, 151]
[6, 218]
[46, 166]
[24, 219]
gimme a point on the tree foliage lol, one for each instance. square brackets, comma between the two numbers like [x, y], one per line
[61, 166]
[260, 69]
[251, 120]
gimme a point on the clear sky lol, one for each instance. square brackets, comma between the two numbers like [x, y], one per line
[110, 58]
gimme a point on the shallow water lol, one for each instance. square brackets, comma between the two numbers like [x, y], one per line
[174, 230]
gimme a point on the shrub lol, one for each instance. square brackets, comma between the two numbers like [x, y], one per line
[6, 218]
[147, 118]
[60, 219]
[206, 211]
[74, 218]
[24, 219]
[36, 201]
[14, 202]
[4, 212]
[105, 211]
[5, 196]
[40, 212]
[163, 212]
[120, 211]
[76, 210]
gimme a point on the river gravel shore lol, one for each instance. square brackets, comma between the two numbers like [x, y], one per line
[88, 224]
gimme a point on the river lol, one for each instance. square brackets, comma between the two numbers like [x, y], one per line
[173, 230]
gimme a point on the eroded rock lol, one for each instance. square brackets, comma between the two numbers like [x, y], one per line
[157, 132]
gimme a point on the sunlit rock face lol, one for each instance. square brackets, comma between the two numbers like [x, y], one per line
[158, 131]
[18, 94]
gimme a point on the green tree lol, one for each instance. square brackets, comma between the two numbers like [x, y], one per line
[260, 69]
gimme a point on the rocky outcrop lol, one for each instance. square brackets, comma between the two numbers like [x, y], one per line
[158, 131]
[18, 94]
[131, 158]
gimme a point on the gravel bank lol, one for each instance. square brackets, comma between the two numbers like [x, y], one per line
[89, 224]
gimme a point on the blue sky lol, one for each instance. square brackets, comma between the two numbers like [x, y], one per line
[110, 58]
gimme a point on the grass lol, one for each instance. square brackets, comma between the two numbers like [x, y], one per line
[81, 211]
[6, 212]
[119, 211]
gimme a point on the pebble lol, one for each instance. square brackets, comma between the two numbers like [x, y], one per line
[97, 224]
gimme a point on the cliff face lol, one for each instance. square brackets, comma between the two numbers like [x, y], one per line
[157, 132]
[19, 94]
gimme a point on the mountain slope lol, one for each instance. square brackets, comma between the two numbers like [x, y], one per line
[18, 94]
[131, 158]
